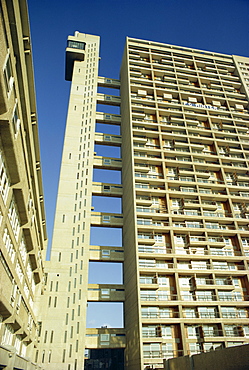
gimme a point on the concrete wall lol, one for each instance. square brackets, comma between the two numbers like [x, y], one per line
[233, 358]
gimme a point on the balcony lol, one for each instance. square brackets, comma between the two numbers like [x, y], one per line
[155, 249]
[162, 354]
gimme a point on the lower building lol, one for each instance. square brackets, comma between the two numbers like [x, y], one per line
[22, 216]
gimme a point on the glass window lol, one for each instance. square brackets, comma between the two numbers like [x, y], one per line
[76, 45]
[8, 75]
[104, 339]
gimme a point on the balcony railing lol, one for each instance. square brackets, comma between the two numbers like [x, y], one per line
[162, 354]
[154, 249]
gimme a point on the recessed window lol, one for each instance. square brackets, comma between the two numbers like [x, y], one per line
[106, 219]
[104, 339]
[76, 45]
[8, 75]
[105, 293]
[106, 253]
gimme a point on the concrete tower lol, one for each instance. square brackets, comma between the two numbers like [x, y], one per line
[185, 151]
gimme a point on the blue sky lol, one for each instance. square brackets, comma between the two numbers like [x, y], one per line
[215, 25]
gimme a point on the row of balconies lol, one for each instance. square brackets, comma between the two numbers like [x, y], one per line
[173, 314]
[164, 296]
[182, 62]
[155, 156]
[181, 222]
[183, 83]
[196, 150]
[174, 179]
[229, 92]
[193, 265]
[193, 283]
[198, 251]
[198, 331]
[209, 225]
[179, 71]
[13, 308]
[183, 212]
[224, 104]
[169, 146]
[193, 251]
[183, 57]
[154, 125]
[196, 111]
[160, 187]
[189, 110]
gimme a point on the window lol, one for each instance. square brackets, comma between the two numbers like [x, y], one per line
[107, 161]
[9, 245]
[14, 219]
[163, 281]
[148, 295]
[105, 293]
[228, 312]
[107, 188]
[191, 330]
[163, 295]
[184, 281]
[104, 339]
[149, 331]
[106, 219]
[4, 181]
[151, 350]
[16, 120]
[190, 312]
[195, 348]
[8, 335]
[105, 253]
[8, 75]
[76, 45]
[210, 330]
[180, 239]
[207, 312]
[158, 238]
[150, 312]
[107, 137]
[204, 295]
[199, 265]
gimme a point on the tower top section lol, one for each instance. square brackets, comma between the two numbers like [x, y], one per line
[76, 49]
